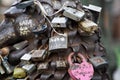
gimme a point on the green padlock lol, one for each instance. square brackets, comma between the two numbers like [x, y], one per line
[19, 73]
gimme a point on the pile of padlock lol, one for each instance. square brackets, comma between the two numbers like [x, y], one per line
[52, 40]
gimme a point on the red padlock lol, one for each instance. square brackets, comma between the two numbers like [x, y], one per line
[80, 71]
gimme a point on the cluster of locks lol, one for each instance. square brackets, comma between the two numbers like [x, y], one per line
[52, 40]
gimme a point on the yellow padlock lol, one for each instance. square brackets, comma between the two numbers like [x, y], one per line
[88, 26]
[19, 73]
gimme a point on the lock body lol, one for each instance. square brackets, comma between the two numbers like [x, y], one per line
[29, 68]
[43, 66]
[58, 42]
[73, 14]
[80, 71]
[98, 62]
[88, 26]
[1, 70]
[6, 66]
[39, 55]
[60, 22]
[26, 57]
[96, 10]
[61, 64]
[19, 73]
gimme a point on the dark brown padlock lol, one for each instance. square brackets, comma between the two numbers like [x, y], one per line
[21, 45]
[40, 54]
[98, 62]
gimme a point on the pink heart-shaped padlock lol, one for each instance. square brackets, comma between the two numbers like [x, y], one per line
[82, 71]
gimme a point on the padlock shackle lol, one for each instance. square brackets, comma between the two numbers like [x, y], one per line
[81, 56]
[70, 58]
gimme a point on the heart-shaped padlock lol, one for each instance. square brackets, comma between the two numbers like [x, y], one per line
[80, 71]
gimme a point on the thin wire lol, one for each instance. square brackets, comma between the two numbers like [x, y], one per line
[45, 14]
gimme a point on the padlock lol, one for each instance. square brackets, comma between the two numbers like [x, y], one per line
[80, 71]
[43, 66]
[40, 54]
[29, 68]
[96, 10]
[61, 64]
[40, 29]
[88, 26]
[98, 62]
[1, 69]
[19, 73]
[73, 14]
[6, 65]
[58, 42]
[21, 45]
[26, 58]
[56, 4]
[60, 22]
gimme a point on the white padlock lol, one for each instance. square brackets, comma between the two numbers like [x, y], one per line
[59, 22]
[73, 14]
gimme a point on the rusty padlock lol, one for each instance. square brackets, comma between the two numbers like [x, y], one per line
[40, 54]
[80, 71]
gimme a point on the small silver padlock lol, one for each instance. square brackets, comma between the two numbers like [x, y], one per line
[61, 64]
[1, 69]
[96, 10]
[6, 65]
[43, 66]
[59, 22]
[58, 42]
[29, 68]
[25, 58]
[73, 14]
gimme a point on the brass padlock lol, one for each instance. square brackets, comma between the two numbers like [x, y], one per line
[88, 26]
[19, 73]
[61, 64]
